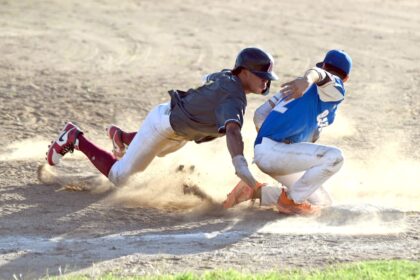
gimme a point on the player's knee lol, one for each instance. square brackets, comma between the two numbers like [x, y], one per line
[335, 159]
[118, 176]
[117, 179]
[171, 147]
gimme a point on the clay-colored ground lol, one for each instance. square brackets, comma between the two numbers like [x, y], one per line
[101, 62]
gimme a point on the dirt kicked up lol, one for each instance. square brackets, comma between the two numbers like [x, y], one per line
[102, 62]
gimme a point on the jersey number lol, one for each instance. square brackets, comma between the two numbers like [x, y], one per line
[322, 120]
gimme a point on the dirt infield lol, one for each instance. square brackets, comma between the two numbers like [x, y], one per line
[102, 62]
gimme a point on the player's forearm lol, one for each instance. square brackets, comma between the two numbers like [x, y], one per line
[236, 148]
[234, 139]
[243, 172]
[297, 88]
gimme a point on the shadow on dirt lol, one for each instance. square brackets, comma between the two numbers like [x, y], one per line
[46, 227]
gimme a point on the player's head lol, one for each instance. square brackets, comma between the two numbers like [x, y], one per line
[337, 62]
[258, 63]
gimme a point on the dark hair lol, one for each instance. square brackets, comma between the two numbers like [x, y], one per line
[237, 71]
[334, 70]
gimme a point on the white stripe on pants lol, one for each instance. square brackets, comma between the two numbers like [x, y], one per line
[318, 162]
[154, 138]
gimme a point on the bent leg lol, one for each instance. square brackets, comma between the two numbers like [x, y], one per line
[270, 195]
[319, 197]
[318, 162]
[102, 160]
[289, 179]
[328, 161]
[153, 137]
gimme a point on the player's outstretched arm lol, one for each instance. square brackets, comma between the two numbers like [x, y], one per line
[297, 87]
[235, 146]
[264, 110]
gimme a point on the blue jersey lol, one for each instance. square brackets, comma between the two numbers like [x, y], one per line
[298, 120]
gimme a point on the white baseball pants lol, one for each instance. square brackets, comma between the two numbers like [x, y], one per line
[317, 162]
[154, 138]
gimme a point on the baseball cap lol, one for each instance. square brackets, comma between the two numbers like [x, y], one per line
[338, 59]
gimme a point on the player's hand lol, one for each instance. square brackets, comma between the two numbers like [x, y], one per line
[259, 185]
[294, 89]
[316, 135]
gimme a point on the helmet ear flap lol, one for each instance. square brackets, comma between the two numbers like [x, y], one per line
[267, 89]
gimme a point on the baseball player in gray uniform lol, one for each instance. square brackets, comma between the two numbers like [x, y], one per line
[199, 114]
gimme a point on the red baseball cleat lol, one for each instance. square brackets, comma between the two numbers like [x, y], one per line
[66, 142]
[115, 134]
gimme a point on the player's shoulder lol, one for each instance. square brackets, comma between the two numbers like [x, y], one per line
[331, 89]
[221, 75]
[329, 78]
[339, 84]
[226, 83]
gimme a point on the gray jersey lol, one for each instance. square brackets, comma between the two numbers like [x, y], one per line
[201, 114]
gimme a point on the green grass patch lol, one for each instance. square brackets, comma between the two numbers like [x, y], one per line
[392, 270]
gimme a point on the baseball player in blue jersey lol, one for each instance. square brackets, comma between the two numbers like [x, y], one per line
[200, 114]
[288, 124]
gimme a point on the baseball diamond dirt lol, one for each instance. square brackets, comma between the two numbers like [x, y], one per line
[101, 62]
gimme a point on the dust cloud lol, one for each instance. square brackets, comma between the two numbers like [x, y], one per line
[199, 175]
[72, 176]
[24, 150]
[195, 178]
[370, 195]
[382, 176]
[342, 220]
